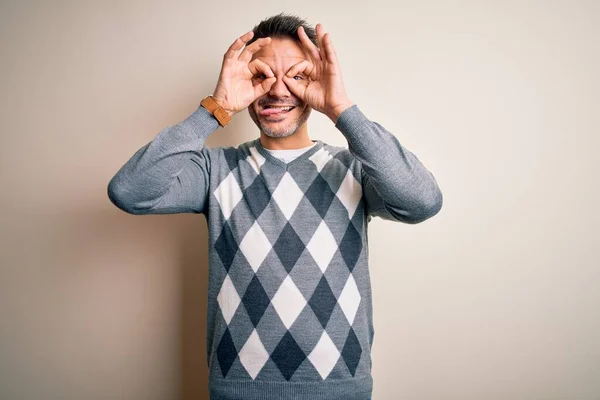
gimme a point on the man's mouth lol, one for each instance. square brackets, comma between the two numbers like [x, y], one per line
[275, 110]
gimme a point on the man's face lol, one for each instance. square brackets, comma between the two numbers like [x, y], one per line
[266, 111]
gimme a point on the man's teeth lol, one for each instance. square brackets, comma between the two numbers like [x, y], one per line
[281, 108]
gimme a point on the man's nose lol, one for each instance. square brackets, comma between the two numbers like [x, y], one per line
[279, 88]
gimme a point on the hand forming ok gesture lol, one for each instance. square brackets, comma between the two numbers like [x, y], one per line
[235, 89]
[325, 90]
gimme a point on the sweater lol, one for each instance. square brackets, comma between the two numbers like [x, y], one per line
[290, 311]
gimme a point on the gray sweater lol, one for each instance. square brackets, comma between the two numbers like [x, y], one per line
[289, 297]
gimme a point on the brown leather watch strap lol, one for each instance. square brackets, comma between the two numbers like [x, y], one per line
[219, 112]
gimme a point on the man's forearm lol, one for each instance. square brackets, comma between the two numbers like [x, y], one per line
[398, 176]
[141, 183]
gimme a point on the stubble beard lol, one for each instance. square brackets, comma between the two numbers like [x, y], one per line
[286, 131]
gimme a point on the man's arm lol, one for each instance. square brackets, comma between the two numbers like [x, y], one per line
[171, 173]
[396, 185]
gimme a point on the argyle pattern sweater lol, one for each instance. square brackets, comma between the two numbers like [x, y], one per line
[289, 296]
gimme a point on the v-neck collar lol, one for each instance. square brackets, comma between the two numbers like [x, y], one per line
[271, 158]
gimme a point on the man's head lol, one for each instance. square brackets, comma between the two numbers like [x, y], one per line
[280, 55]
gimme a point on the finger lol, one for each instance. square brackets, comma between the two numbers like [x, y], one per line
[319, 31]
[298, 88]
[303, 67]
[308, 44]
[329, 49]
[246, 54]
[238, 44]
[264, 86]
[295, 87]
[257, 66]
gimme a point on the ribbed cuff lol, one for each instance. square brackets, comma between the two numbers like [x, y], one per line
[350, 120]
[202, 122]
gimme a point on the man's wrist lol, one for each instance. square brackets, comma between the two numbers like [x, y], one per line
[335, 113]
[216, 110]
[220, 101]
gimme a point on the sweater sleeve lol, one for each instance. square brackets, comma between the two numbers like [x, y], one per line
[171, 173]
[396, 185]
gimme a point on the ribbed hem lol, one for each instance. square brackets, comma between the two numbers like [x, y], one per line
[337, 389]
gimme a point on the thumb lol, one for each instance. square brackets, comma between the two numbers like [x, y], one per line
[263, 87]
[295, 87]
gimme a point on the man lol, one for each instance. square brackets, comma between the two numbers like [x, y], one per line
[289, 298]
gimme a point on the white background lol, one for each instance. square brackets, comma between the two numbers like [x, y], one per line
[496, 297]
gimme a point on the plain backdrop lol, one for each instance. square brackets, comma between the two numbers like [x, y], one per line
[496, 297]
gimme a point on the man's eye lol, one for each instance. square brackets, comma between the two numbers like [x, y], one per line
[298, 77]
[260, 76]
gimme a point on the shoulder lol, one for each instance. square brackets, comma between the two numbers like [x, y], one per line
[229, 154]
[342, 155]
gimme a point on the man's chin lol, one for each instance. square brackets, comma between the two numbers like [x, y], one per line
[277, 133]
[277, 127]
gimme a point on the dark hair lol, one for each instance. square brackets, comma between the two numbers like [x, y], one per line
[283, 26]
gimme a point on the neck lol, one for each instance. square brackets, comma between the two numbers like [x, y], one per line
[297, 140]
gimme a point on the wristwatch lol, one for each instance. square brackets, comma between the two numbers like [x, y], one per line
[215, 109]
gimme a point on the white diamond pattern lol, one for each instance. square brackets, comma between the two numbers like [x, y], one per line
[322, 246]
[228, 299]
[324, 356]
[287, 195]
[350, 299]
[253, 355]
[255, 159]
[228, 194]
[320, 158]
[288, 302]
[349, 193]
[255, 246]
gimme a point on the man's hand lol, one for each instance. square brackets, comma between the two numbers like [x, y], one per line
[235, 91]
[324, 89]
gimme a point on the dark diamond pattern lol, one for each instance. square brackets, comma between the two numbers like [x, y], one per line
[351, 246]
[226, 352]
[289, 247]
[322, 301]
[352, 351]
[344, 158]
[257, 197]
[288, 356]
[320, 195]
[224, 245]
[255, 300]
[231, 155]
[357, 219]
